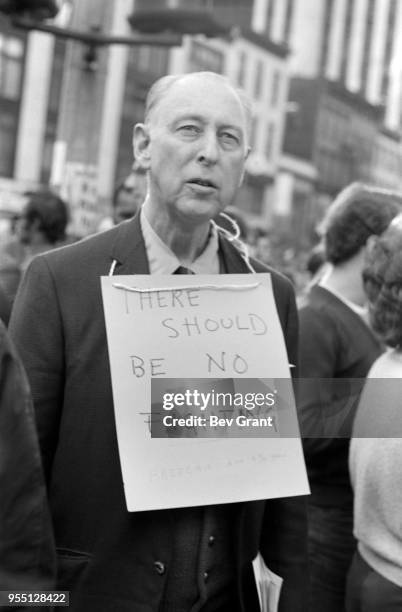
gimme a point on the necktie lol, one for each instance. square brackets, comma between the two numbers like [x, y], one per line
[183, 270]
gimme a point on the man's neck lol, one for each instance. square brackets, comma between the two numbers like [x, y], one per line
[185, 241]
[346, 280]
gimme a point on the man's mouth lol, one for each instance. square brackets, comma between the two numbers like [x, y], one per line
[203, 183]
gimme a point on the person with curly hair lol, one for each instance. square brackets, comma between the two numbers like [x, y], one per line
[375, 461]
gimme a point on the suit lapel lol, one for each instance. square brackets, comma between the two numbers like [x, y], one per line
[231, 260]
[129, 249]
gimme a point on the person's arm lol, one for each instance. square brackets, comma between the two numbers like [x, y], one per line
[318, 348]
[36, 328]
[27, 553]
[284, 549]
[283, 543]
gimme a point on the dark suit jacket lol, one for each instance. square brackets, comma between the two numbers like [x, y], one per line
[109, 557]
[337, 349]
[27, 552]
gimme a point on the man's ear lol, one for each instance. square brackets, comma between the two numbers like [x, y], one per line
[141, 145]
[370, 244]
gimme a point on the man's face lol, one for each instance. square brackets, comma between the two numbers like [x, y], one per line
[25, 229]
[130, 198]
[196, 149]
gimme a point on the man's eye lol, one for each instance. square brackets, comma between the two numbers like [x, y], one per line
[230, 138]
[189, 129]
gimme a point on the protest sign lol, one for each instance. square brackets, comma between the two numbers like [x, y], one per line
[176, 330]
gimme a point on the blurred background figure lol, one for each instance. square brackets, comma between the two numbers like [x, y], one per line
[316, 260]
[316, 266]
[337, 349]
[5, 307]
[41, 227]
[27, 552]
[128, 198]
[375, 461]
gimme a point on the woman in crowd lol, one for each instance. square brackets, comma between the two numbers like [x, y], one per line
[375, 577]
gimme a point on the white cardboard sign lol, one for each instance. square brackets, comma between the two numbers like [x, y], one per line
[192, 327]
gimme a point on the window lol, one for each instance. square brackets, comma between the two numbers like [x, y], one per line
[328, 19]
[204, 57]
[275, 88]
[8, 126]
[258, 78]
[11, 63]
[288, 20]
[241, 71]
[270, 17]
[149, 60]
[12, 56]
[55, 91]
[253, 132]
[347, 38]
[270, 140]
[389, 44]
[368, 42]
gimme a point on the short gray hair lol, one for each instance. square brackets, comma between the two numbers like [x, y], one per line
[164, 84]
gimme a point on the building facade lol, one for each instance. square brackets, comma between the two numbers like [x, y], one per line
[345, 99]
[71, 107]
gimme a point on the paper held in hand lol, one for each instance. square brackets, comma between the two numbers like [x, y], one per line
[174, 343]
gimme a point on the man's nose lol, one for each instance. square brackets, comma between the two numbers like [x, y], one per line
[209, 148]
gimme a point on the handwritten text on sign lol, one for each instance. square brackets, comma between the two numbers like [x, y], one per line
[194, 327]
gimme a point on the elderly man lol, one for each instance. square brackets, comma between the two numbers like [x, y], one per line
[193, 145]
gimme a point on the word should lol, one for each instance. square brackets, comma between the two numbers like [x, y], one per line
[195, 326]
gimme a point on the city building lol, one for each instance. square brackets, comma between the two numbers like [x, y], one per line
[344, 114]
[71, 104]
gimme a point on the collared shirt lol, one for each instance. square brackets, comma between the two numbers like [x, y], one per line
[162, 260]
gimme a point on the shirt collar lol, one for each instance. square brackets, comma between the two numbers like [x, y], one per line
[162, 260]
[362, 311]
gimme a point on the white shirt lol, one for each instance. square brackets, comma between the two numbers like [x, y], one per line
[162, 260]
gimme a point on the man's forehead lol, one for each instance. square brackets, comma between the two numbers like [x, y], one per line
[200, 96]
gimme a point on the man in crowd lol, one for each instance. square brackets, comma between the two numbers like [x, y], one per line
[40, 227]
[128, 198]
[129, 195]
[193, 145]
[337, 348]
